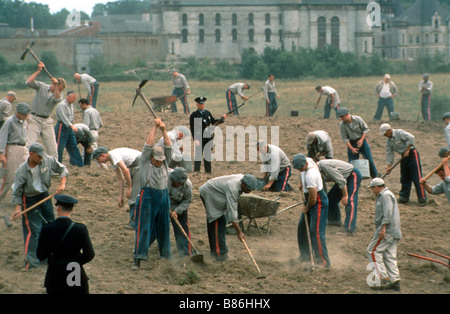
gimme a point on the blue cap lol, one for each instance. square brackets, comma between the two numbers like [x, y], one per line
[65, 200]
[98, 151]
[250, 182]
[342, 112]
[299, 161]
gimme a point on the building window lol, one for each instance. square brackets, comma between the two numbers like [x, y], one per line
[280, 18]
[234, 19]
[321, 32]
[267, 18]
[280, 34]
[436, 38]
[436, 23]
[217, 35]
[201, 36]
[234, 34]
[335, 32]
[268, 34]
[418, 40]
[184, 19]
[184, 35]
[217, 19]
[251, 35]
[250, 19]
[201, 19]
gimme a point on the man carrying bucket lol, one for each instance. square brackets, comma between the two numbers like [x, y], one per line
[354, 131]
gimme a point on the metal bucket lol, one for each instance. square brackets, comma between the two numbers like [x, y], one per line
[363, 166]
[254, 206]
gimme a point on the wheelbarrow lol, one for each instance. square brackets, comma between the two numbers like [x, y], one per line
[253, 207]
[163, 103]
[432, 259]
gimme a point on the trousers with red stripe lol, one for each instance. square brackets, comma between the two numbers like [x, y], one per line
[426, 107]
[65, 138]
[317, 220]
[351, 210]
[152, 223]
[32, 223]
[411, 173]
[281, 183]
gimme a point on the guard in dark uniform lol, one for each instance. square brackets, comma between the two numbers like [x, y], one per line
[200, 120]
[67, 247]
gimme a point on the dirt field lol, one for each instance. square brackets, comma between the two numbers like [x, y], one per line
[276, 253]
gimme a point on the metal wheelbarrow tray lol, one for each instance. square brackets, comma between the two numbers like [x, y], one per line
[253, 206]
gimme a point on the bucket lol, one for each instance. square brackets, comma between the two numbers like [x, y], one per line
[294, 113]
[363, 166]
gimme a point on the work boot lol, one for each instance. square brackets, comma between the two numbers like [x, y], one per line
[422, 202]
[136, 265]
[403, 200]
[393, 286]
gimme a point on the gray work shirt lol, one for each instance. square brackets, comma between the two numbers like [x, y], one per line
[221, 196]
[323, 144]
[353, 131]
[23, 183]
[180, 81]
[91, 117]
[399, 141]
[180, 197]
[274, 161]
[87, 82]
[269, 87]
[334, 170]
[428, 87]
[237, 89]
[387, 213]
[151, 176]
[6, 109]
[64, 113]
[44, 100]
[442, 187]
[13, 132]
[83, 134]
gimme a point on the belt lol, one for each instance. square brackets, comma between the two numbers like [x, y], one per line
[40, 116]
[15, 144]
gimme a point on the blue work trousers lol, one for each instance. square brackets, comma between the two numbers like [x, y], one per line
[183, 245]
[426, 107]
[411, 172]
[152, 222]
[181, 93]
[272, 106]
[384, 102]
[367, 154]
[65, 138]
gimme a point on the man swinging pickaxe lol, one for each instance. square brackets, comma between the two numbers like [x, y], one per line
[29, 50]
[140, 94]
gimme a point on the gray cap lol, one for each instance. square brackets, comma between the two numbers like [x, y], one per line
[299, 161]
[425, 75]
[442, 151]
[310, 137]
[248, 85]
[158, 153]
[376, 182]
[98, 151]
[179, 174]
[250, 182]
[12, 94]
[184, 130]
[38, 149]
[446, 115]
[384, 127]
[23, 108]
[342, 112]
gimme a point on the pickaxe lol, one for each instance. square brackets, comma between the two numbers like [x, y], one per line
[259, 90]
[139, 93]
[29, 50]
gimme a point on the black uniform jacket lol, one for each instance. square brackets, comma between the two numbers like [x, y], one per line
[207, 120]
[76, 247]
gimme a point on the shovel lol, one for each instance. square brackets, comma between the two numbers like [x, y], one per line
[197, 258]
[260, 276]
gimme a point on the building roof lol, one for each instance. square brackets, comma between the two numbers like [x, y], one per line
[421, 11]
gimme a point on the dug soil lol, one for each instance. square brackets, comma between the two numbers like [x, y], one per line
[276, 252]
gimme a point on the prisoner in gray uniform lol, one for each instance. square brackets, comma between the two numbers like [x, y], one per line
[318, 144]
[6, 109]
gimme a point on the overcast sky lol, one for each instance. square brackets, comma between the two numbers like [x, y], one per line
[79, 5]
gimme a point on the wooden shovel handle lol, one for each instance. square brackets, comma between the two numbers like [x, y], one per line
[37, 204]
[435, 170]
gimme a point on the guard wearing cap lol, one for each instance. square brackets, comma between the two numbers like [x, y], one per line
[425, 87]
[446, 119]
[316, 209]
[180, 192]
[13, 150]
[153, 204]
[402, 142]
[6, 109]
[385, 91]
[382, 249]
[220, 197]
[230, 96]
[202, 123]
[354, 131]
[318, 144]
[32, 183]
[67, 246]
